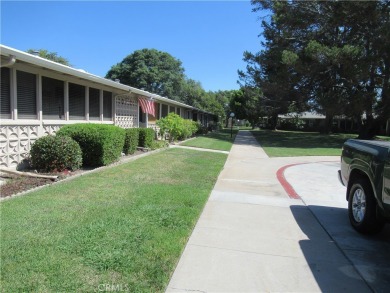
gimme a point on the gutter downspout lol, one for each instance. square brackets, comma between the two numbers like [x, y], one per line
[11, 61]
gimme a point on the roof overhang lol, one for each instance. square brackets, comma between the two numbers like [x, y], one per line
[37, 61]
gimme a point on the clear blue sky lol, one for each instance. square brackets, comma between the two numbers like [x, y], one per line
[209, 37]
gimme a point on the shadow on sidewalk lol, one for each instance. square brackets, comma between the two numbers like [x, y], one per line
[369, 255]
[246, 138]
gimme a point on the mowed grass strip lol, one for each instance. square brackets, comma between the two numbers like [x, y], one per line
[220, 140]
[295, 143]
[124, 226]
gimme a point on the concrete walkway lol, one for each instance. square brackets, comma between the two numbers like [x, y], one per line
[198, 149]
[251, 237]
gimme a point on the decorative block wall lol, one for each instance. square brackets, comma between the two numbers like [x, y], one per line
[15, 143]
[126, 113]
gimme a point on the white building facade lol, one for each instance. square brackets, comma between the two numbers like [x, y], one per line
[39, 96]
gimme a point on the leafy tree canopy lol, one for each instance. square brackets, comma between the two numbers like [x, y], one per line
[152, 70]
[53, 56]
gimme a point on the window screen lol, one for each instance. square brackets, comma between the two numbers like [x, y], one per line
[164, 111]
[94, 109]
[26, 95]
[52, 98]
[171, 109]
[76, 101]
[5, 100]
[157, 107]
[107, 105]
[141, 117]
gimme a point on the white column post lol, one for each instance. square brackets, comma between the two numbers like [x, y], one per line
[13, 102]
[101, 104]
[66, 101]
[87, 103]
[160, 111]
[138, 113]
[112, 107]
[39, 97]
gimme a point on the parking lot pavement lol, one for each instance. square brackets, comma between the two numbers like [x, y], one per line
[322, 193]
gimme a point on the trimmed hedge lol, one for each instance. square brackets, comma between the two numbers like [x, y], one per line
[146, 137]
[131, 141]
[101, 144]
[54, 153]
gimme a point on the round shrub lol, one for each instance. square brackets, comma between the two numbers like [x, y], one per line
[177, 127]
[100, 144]
[56, 153]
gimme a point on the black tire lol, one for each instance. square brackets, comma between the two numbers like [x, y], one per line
[362, 208]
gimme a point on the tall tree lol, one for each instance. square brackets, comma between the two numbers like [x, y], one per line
[334, 55]
[155, 71]
[246, 104]
[53, 56]
[192, 93]
[267, 71]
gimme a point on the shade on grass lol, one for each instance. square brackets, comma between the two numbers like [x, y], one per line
[125, 226]
[221, 140]
[294, 143]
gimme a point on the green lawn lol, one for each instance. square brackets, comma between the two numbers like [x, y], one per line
[387, 138]
[294, 143]
[220, 140]
[125, 226]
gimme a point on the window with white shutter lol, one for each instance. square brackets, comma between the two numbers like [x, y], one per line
[52, 98]
[94, 109]
[76, 101]
[26, 95]
[5, 98]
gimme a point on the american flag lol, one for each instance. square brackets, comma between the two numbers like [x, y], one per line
[147, 106]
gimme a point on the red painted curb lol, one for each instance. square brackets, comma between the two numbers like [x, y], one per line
[287, 186]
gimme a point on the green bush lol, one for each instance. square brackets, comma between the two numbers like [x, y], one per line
[55, 153]
[131, 141]
[189, 128]
[159, 144]
[202, 130]
[177, 127]
[146, 137]
[100, 144]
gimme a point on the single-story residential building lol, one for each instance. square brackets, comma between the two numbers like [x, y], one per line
[316, 121]
[38, 96]
[311, 120]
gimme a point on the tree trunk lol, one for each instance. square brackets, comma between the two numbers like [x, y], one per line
[386, 96]
[274, 121]
[328, 123]
[368, 129]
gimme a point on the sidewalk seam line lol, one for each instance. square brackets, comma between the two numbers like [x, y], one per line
[242, 251]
